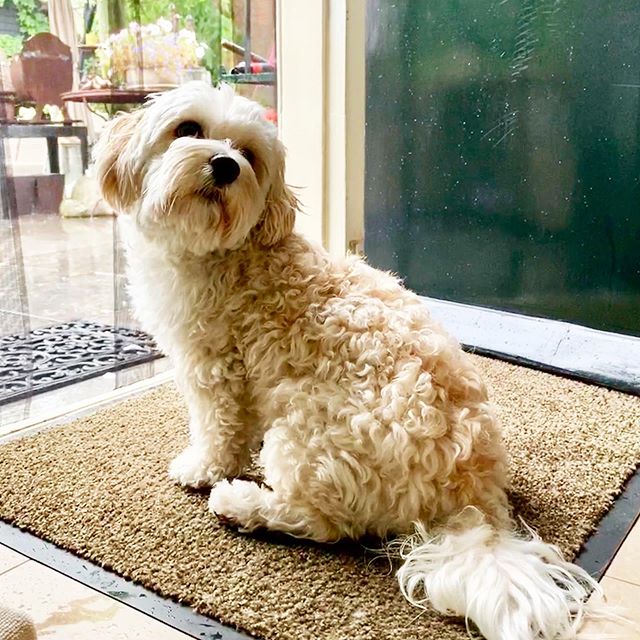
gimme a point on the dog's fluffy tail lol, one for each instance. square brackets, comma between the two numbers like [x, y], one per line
[511, 587]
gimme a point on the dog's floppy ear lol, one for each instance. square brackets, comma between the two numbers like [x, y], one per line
[114, 169]
[280, 209]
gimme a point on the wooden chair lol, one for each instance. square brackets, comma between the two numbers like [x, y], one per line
[42, 72]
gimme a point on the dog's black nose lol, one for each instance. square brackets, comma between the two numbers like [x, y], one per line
[225, 170]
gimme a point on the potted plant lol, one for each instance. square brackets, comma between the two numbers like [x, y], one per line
[155, 55]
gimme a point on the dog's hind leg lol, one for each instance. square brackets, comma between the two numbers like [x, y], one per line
[251, 506]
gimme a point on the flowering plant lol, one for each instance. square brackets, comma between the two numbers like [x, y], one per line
[151, 46]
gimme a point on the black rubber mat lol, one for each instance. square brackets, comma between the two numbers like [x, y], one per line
[52, 357]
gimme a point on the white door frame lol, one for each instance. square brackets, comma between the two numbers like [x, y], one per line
[321, 107]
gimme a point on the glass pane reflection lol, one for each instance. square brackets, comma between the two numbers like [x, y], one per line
[502, 154]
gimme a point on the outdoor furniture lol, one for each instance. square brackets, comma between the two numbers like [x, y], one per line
[7, 106]
[108, 96]
[39, 75]
[51, 131]
[42, 71]
[255, 69]
[25, 194]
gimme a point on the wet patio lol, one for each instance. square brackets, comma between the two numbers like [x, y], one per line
[55, 270]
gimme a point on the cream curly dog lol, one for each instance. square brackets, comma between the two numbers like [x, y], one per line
[370, 417]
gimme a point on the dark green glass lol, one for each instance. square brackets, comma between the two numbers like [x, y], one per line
[503, 160]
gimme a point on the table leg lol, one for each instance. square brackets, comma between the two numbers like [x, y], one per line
[54, 158]
[5, 186]
[84, 152]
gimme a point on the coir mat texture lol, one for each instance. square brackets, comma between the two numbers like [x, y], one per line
[99, 487]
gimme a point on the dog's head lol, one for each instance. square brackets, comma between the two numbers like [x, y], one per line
[199, 168]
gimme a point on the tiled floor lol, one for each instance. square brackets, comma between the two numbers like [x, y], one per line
[64, 609]
[56, 270]
[621, 585]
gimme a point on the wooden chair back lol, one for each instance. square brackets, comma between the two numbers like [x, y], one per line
[42, 71]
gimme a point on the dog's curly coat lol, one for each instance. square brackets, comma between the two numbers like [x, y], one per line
[372, 420]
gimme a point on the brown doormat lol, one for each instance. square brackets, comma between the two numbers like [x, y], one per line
[99, 487]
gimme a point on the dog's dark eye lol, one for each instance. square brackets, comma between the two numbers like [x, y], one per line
[188, 129]
[249, 155]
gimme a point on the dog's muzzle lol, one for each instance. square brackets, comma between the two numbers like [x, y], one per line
[225, 170]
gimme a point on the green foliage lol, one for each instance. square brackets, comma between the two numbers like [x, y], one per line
[30, 17]
[205, 16]
[10, 45]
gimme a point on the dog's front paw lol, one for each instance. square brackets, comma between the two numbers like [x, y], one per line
[192, 469]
